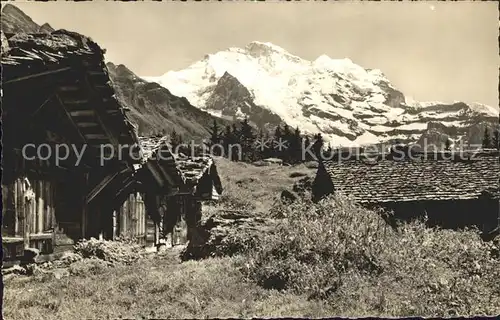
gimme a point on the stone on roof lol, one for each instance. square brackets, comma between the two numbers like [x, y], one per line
[383, 179]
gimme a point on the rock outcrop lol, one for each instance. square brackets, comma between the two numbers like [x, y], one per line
[227, 233]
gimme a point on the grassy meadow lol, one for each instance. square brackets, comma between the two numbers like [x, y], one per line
[323, 260]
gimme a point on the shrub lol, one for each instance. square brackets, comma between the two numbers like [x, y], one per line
[339, 252]
[328, 239]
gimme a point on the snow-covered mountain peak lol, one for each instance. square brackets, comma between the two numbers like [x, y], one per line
[259, 48]
[349, 104]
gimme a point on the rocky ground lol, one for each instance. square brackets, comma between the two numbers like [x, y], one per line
[86, 256]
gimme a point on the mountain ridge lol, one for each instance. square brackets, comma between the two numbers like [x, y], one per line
[14, 20]
[345, 102]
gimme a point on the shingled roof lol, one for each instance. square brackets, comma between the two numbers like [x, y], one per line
[184, 171]
[379, 178]
[70, 68]
[194, 168]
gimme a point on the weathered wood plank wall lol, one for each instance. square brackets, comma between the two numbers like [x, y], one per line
[29, 212]
[130, 220]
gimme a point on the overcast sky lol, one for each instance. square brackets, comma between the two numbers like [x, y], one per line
[430, 50]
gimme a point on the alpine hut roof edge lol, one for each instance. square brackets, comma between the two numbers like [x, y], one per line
[186, 171]
[380, 178]
[28, 56]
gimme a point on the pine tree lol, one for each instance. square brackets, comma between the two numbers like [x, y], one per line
[215, 138]
[215, 133]
[296, 147]
[275, 142]
[266, 151]
[494, 142]
[227, 141]
[277, 132]
[486, 139]
[261, 145]
[247, 139]
[307, 143]
[286, 153]
[318, 145]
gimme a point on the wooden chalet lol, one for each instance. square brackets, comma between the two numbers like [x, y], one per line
[57, 95]
[454, 189]
[174, 187]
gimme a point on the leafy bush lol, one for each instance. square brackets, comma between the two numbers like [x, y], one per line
[339, 252]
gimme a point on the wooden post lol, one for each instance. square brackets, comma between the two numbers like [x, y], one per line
[40, 206]
[115, 223]
[53, 194]
[123, 214]
[27, 220]
[133, 215]
[19, 231]
[35, 207]
[17, 204]
[144, 219]
[32, 211]
[84, 207]
[48, 206]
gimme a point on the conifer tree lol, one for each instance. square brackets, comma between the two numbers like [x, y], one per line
[228, 141]
[275, 141]
[246, 140]
[286, 153]
[486, 139]
[215, 133]
[494, 141]
[296, 147]
[261, 145]
[215, 138]
[307, 143]
[318, 145]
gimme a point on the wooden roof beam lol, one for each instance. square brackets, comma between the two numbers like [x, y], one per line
[109, 134]
[69, 88]
[70, 118]
[78, 102]
[167, 176]
[98, 114]
[42, 105]
[96, 136]
[87, 124]
[100, 186]
[156, 175]
[82, 113]
[36, 75]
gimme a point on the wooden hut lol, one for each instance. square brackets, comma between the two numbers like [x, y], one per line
[57, 97]
[201, 183]
[454, 189]
[174, 187]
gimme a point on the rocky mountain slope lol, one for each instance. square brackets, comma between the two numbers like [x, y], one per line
[349, 104]
[15, 20]
[154, 108]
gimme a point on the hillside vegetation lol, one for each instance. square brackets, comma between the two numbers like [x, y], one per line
[319, 260]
